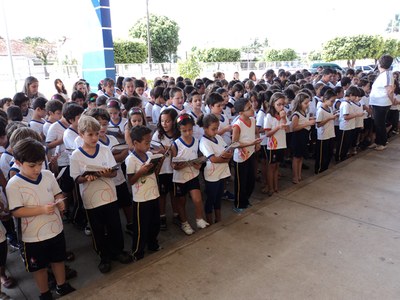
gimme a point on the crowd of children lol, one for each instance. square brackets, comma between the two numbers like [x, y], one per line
[128, 147]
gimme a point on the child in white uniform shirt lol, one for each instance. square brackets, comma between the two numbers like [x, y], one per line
[99, 194]
[142, 177]
[325, 132]
[35, 197]
[54, 113]
[37, 122]
[162, 140]
[217, 170]
[186, 177]
[244, 132]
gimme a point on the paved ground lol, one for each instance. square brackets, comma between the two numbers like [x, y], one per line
[334, 236]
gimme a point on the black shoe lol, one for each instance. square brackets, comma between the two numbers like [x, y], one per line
[46, 296]
[64, 289]
[156, 249]
[123, 258]
[163, 223]
[104, 266]
[129, 229]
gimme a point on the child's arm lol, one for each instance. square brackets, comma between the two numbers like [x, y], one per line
[225, 129]
[225, 157]
[297, 127]
[120, 156]
[55, 143]
[128, 138]
[133, 178]
[175, 165]
[26, 212]
[323, 122]
[352, 116]
[236, 136]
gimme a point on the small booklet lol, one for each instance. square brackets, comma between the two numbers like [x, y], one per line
[96, 170]
[119, 147]
[199, 160]
[154, 159]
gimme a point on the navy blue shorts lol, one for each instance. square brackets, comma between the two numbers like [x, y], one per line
[181, 189]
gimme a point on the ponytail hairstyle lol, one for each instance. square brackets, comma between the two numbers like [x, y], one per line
[206, 120]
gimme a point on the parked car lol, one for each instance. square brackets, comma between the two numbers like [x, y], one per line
[365, 69]
[325, 65]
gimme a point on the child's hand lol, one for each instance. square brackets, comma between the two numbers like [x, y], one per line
[282, 113]
[361, 114]
[283, 126]
[106, 172]
[227, 128]
[258, 147]
[178, 165]
[48, 209]
[144, 169]
[311, 122]
[60, 203]
[258, 141]
[227, 154]
[90, 178]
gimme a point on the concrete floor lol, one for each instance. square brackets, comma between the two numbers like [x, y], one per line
[334, 236]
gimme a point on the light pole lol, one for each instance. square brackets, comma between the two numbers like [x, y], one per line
[148, 34]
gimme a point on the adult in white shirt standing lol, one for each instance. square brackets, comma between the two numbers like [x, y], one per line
[381, 98]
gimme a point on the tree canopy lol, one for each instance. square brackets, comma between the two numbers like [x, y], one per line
[351, 48]
[217, 55]
[128, 52]
[164, 37]
[287, 54]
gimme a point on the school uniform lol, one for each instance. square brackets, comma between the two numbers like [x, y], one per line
[5, 163]
[42, 235]
[146, 209]
[123, 195]
[345, 131]
[178, 110]
[117, 129]
[155, 112]
[37, 126]
[260, 117]
[198, 132]
[100, 201]
[46, 127]
[224, 122]
[276, 144]
[165, 184]
[244, 163]
[301, 137]
[56, 131]
[148, 110]
[186, 179]
[27, 116]
[325, 140]
[359, 123]
[214, 173]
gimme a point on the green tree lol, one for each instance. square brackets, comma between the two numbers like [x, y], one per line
[391, 47]
[351, 48]
[218, 55]
[43, 50]
[255, 46]
[127, 52]
[315, 55]
[164, 36]
[287, 54]
[190, 68]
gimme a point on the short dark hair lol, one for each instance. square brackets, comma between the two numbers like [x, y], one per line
[29, 150]
[4, 101]
[20, 98]
[101, 100]
[353, 91]
[139, 83]
[158, 92]
[39, 102]
[214, 98]
[206, 120]
[14, 113]
[77, 95]
[138, 132]
[385, 61]
[345, 81]
[71, 110]
[132, 102]
[240, 104]
[54, 105]
[99, 113]
[3, 125]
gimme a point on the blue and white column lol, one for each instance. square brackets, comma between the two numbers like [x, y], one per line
[98, 57]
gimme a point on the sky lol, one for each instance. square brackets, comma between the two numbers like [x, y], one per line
[301, 25]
